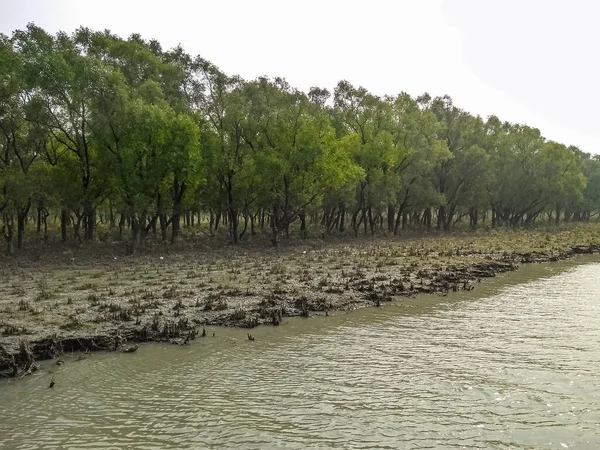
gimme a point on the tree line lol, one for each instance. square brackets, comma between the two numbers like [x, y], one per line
[96, 128]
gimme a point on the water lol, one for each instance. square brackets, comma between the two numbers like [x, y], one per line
[513, 364]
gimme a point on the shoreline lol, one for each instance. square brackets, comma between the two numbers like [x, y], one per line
[177, 315]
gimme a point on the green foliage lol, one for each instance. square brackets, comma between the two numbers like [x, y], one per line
[91, 121]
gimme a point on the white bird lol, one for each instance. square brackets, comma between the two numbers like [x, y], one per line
[161, 258]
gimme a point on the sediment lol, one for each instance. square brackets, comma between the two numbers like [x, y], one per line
[179, 321]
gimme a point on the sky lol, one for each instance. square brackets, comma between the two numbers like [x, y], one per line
[527, 61]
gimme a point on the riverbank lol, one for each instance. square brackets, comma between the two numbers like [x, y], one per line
[85, 300]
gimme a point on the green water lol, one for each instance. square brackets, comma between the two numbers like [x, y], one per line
[513, 364]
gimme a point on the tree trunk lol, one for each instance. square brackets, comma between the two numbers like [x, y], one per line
[45, 219]
[473, 217]
[162, 217]
[90, 221]
[7, 230]
[76, 227]
[111, 213]
[371, 221]
[275, 226]
[302, 217]
[178, 191]
[136, 236]
[342, 217]
[428, 215]
[441, 218]
[233, 215]
[21, 216]
[245, 226]
[63, 224]
[252, 229]
[398, 219]
[38, 227]
[20, 229]
[390, 218]
[175, 226]
[217, 219]
[122, 220]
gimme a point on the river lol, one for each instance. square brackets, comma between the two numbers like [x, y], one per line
[513, 364]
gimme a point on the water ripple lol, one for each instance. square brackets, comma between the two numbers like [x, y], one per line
[518, 369]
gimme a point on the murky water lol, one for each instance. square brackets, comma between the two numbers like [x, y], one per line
[514, 364]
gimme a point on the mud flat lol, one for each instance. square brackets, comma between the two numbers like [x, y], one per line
[90, 299]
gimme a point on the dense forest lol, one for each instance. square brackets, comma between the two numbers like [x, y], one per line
[96, 129]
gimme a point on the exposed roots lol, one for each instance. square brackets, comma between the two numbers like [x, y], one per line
[17, 365]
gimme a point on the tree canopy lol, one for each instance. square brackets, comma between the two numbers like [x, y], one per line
[95, 128]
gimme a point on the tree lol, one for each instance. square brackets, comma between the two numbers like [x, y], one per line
[221, 102]
[292, 139]
[93, 125]
[461, 176]
[21, 142]
[63, 84]
[419, 153]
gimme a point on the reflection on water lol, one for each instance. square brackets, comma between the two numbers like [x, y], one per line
[515, 368]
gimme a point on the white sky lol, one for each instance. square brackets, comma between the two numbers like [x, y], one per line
[528, 61]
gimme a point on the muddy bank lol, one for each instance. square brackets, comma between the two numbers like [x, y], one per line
[48, 311]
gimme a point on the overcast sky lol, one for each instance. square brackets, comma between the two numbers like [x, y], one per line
[527, 61]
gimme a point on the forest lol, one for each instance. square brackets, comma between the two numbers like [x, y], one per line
[98, 132]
